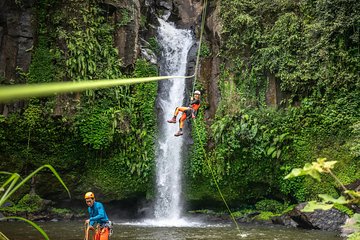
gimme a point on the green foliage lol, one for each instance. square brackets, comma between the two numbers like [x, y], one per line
[270, 205]
[96, 128]
[353, 225]
[344, 209]
[90, 51]
[205, 50]
[264, 216]
[32, 115]
[60, 211]
[154, 45]
[125, 18]
[310, 47]
[354, 145]
[198, 155]
[127, 134]
[354, 236]
[328, 202]
[42, 69]
[30, 203]
[144, 69]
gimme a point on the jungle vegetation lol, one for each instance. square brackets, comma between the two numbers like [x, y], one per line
[105, 139]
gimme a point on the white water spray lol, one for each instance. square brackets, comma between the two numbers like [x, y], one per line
[176, 44]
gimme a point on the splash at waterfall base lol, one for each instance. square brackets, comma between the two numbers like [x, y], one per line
[330, 220]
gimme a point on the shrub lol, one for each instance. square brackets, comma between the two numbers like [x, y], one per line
[270, 205]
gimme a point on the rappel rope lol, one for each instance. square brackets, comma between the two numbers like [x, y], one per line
[197, 130]
[203, 18]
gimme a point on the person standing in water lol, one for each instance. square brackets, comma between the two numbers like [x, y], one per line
[98, 216]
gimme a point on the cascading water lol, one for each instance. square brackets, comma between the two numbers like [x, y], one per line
[176, 44]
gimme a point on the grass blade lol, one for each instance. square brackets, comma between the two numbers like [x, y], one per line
[6, 195]
[9, 180]
[35, 172]
[37, 227]
[2, 236]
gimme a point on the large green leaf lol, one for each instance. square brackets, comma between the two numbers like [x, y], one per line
[313, 205]
[314, 169]
[8, 93]
[271, 150]
[307, 170]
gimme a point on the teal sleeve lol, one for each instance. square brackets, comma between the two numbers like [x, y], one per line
[101, 214]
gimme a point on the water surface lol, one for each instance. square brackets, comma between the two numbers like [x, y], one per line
[74, 231]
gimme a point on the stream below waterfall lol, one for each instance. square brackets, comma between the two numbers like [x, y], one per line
[74, 231]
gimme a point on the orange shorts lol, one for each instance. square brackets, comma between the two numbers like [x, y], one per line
[102, 234]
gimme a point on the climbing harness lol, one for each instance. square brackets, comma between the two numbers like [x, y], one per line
[88, 229]
[110, 225]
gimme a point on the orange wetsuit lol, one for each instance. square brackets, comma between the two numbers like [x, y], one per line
[187, 111]
[102, 234]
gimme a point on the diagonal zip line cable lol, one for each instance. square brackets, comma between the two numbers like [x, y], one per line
[13, 92]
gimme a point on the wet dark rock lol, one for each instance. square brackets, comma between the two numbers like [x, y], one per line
[349, 227]
[166, 4]
[330, 220]
[149, 55]
[7, 204]
[284, 220]
[246, 218]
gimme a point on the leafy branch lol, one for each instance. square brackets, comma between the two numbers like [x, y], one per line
[314, 170]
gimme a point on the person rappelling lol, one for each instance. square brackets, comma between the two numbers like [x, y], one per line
[187, 112]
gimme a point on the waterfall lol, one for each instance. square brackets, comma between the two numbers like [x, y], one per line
[175, 45]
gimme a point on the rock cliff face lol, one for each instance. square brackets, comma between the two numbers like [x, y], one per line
[16, 42]
[16, 37]
[127, 20]
[210, 69]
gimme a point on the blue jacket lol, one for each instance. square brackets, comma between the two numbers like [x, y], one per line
[97, 214]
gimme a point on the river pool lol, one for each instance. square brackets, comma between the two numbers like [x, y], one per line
[74, 231]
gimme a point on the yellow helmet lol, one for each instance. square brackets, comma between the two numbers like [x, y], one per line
[89, 195]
